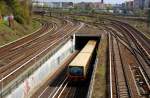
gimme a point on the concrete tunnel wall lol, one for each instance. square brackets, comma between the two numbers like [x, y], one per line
[34, 80]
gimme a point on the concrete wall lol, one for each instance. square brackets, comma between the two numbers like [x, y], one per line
[34, 80]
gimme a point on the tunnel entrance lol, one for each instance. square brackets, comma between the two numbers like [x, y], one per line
[80, 40]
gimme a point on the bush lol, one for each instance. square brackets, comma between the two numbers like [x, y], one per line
[4, 9]
[20, 10]
[19, 19]
[148, 18]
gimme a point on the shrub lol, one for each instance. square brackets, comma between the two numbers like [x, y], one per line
[19, 19]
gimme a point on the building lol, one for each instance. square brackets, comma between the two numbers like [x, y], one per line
[97, 5]
[37, 4]
[82, 5]
[129, 5]
[54, 4]
[138, 4]
[93, 5]
[67, 4]
[147, 4]
[123, 5]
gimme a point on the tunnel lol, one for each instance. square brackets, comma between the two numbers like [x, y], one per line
[82, 39]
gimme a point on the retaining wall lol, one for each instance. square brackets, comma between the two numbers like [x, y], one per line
[45, 70]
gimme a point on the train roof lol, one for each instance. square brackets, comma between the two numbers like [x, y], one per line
[89, 47]
[81, 59]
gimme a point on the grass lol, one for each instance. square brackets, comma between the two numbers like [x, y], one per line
[99, 88]
[8, 34]
[35, 26]
[141, 26]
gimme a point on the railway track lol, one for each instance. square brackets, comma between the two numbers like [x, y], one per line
[134, 52]
[27, 43]
[141, 42]
[31, 61]
[9, 54]
[138, 82]
[49, 40]
[54, 86]
[15, 53]
[137, 50]
[120, 84]
[73, 90]
[57, 92]
[62, 87]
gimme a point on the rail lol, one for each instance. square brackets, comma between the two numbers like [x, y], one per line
[14, 84]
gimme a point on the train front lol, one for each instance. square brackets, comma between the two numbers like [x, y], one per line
[76, 73]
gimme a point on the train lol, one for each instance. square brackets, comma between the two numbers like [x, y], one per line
[79, 66]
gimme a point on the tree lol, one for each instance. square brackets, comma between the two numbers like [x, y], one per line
[92, 11]
[26, 11]
[16, 10]
[4, 9]
[88, 7]
[20, 10]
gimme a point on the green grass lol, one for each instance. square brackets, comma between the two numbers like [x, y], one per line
[35, 26]
[8, 34]
[141, 26]
[99, 88]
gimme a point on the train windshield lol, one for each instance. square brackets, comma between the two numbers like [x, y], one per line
[76, 71]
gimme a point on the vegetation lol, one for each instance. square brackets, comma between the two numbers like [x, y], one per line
[139, 12]
[148, 18]
[20, 10]
[22, 25]
[3, 8]
[8, 34]
[99, 88]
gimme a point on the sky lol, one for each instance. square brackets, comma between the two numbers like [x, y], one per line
[106, 1]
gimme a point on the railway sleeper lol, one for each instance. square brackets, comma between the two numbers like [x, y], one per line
[143, 92]
[142, 86]
[124, 96]
[123, 88]
[140, 82]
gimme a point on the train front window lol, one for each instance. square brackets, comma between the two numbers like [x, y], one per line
[76, 71]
